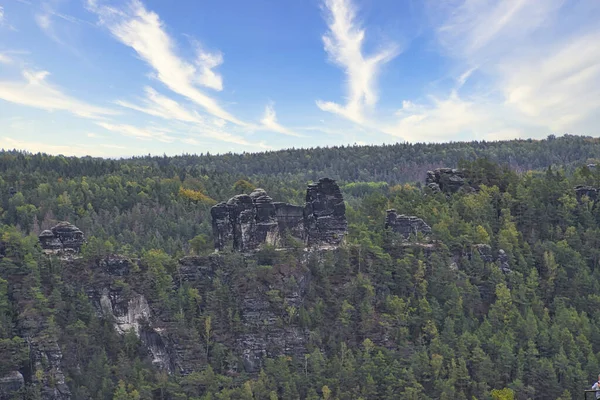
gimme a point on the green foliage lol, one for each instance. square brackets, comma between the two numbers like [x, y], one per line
[377, 318]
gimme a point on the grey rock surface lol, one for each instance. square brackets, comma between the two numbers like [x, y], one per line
[246, 222]
[447, 180]
[588, 191]
[62, 238]
[406, 225]
[10, 383]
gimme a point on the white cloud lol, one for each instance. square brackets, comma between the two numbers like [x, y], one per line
[269, 121]
[445, 119]
[164, 107]
[161, 106]
[207, 62]
[559, 90]
[44, 21]
[80, 150]
[344, 45]
[36, 92]
[143, 31]
[538, 72]
[138, 133]
[4, 59]
[3, 22]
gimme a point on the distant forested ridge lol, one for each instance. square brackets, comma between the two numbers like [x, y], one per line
[494, 296]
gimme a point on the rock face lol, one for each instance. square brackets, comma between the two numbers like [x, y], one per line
[325, 213]
[406, 225]
[588, 191]
[127, 309]
[503, 261]
[249, 221]
[10, 383]
[62, 238]
[484, 251]
[46, 356]
[447, 180]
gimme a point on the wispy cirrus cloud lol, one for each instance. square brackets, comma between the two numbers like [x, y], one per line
[162, 135]
[206, 63]
[35, 91]
[144, 32]
[73, 149]
[5, 59]
[158, 105]
[269, 121]
[537, 73]
[46, 17]
[344, 43]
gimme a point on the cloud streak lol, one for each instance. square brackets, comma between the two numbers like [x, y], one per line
[269, 121]
[144, 32]
[537, 73]
[138, 133]
[35, 91]
[344, 45]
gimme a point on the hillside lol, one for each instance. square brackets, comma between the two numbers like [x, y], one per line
[374, 284]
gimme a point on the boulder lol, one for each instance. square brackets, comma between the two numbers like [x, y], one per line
[406, 225]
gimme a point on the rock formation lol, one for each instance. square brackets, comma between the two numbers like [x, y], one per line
[503, 261]
[588, 191]
[447, 180]
[62, 238]
[325, 213]
[249, 221]
[484, 251]
[10, 383]
[406, 225]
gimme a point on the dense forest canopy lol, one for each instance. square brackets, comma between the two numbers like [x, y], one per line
[500, 301]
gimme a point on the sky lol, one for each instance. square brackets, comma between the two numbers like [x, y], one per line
[122, 78]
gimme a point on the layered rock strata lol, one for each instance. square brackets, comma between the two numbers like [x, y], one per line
[248, 221]
[447, 180]
[406, 225]
[62, 238]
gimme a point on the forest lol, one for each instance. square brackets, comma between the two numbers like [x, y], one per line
[379, 317]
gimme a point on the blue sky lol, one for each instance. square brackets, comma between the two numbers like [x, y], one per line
[115, 78]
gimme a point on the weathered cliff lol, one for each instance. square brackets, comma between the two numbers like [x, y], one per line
[248, 221]
[63, 238]
[406, 225]
[447, 180]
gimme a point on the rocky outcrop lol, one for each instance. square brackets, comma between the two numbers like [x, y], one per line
[248, 221]
[484, 251]
[10, 383]
[589, 191]
[269, 316]
[325, 213]
[63, 238]
[406, 225]
[129, 310]
[503, 261]
[46, 358]
[447, 180]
